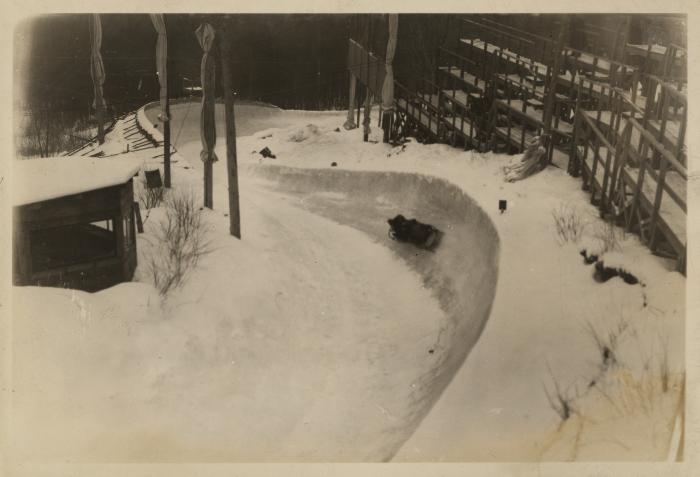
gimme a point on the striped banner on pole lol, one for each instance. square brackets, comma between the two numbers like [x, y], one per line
[97, 71]
[161, 62]
[207, 123]
[388, 86]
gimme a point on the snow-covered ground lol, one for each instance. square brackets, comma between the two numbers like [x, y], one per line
[305, 340]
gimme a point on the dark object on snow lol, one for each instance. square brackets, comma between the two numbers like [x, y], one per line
[502, 205]
[153, 179]
[588, 259]
[410, 230]
[603, 274]
[334, 164]
[266, 152]
[337, 129]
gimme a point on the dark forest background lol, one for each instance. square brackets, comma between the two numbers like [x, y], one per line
[292, 61]
[289, 60]
[295, 61]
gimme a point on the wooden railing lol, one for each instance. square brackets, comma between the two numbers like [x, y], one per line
[627, 160]
[496, 35]
[541, 47]
[425, 113]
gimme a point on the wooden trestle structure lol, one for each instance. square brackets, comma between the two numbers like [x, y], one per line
[611, 112]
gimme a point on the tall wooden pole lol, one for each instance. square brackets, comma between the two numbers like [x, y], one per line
[368, 95]
[226, 50]
[551, 93]
[166, 125]
[166, 145]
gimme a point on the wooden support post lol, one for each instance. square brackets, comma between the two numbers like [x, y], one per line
[166, 145]
[387, 124]
[551, 93]
[226, 46]
[357, 102]
[209, 184]
[635, 207]
[366, 120]
[137, 215]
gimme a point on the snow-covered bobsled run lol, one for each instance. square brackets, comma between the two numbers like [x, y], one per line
[461, 273]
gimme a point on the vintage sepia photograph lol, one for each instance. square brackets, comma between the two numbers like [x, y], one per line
[348, 238]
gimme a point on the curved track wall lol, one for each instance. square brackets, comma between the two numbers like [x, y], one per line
[461, 273]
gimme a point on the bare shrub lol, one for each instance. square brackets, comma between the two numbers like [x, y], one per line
[568, 223]
[631, 392]
[664, 368]
[181, 236]
[608, 235]
[560, 400]
[607, 342]
[636, 393]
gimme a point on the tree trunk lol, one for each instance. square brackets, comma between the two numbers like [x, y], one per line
[226, 50]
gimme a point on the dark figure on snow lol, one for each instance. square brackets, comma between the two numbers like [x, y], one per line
[412, 231]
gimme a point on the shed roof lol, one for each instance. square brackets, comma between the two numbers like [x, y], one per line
[36, 180]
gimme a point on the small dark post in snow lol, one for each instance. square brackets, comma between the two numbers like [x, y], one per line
[226, 50]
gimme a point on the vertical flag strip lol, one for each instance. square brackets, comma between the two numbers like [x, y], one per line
[161, 62]
[388, 86]
[97, 71]
[350, 121]
[207, 122]
[207, 127]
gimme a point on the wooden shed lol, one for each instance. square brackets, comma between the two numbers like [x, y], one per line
[73, 224]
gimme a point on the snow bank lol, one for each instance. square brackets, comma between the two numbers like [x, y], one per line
[341, 328]
[302, 134]
[66, 342]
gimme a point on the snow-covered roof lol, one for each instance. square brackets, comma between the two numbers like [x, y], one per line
[36, 180]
